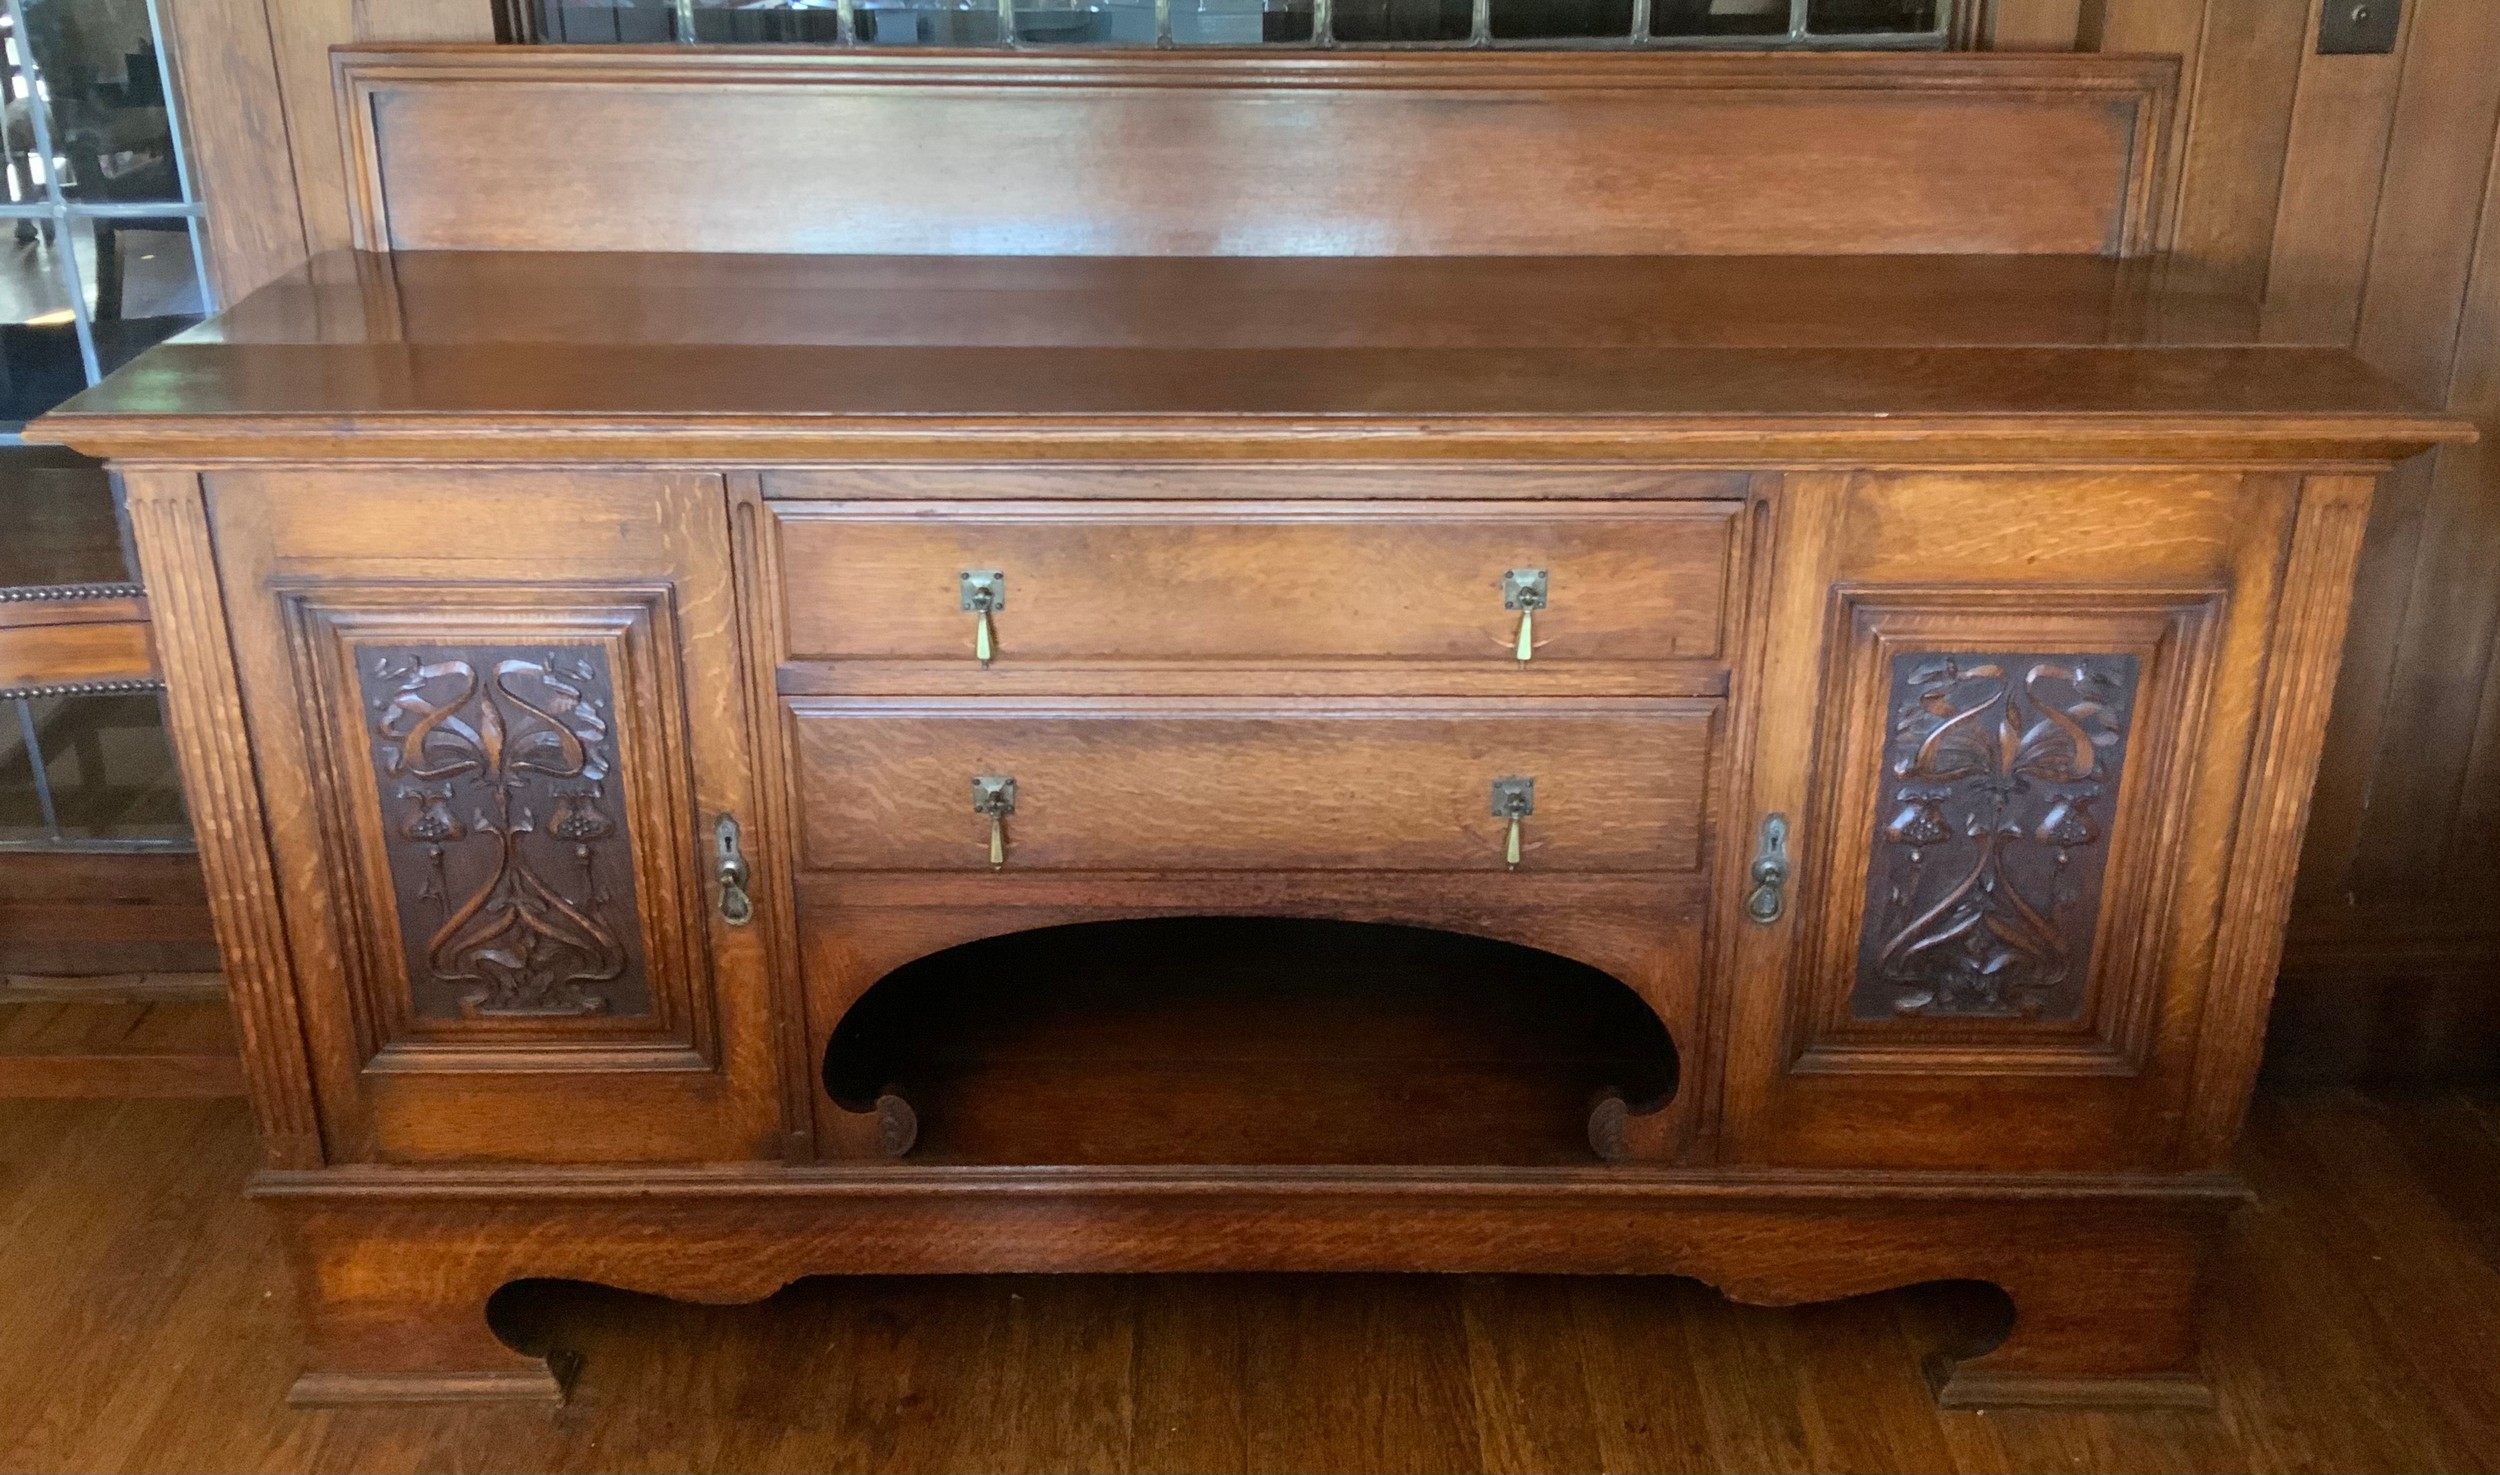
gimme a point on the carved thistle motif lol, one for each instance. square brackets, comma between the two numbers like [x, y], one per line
[1985, 885]
[509, 857]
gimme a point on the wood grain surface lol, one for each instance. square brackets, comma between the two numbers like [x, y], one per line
[2282, 170]
[1627, 586]
[1386, 154]
[101, 641]
[1250, 786]
[54, 1043]
[148, 1326]
[2086, 497]
[65, 912]
[1237, 302]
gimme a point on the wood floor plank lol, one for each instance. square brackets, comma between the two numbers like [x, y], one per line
[33, 1133]
[2436, 1299]
[130, 1267]
[1070, 1349]
[2317, 1322]
[1193, 1356]
[2452, 1144]
[1745, 1357]
[1644, 1395]
[1358, 1372]
[1861, 1395]
[153, 1309]
[1533, 1410]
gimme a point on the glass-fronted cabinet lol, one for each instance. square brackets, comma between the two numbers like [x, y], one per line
[100, 257]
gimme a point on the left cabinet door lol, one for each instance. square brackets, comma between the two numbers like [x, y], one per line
[498, 723]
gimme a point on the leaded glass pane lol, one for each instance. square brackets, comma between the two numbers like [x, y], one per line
[112, 130]
[1540, 19]
[1360, 21]
[1715, 18]
[1871, 17]
[1241, 22]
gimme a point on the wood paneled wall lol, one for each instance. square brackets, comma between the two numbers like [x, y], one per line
[2355, 193]
[255, 80]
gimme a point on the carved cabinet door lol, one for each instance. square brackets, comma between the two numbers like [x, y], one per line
[501, 735]
[2030, 844]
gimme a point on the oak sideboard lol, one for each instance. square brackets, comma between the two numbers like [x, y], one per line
[1620, 664]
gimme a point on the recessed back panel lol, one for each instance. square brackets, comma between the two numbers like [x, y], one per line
[1235, 154]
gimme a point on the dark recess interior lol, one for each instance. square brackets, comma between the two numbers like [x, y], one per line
[1249, 1040]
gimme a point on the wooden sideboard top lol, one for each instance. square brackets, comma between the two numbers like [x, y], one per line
[744, 358]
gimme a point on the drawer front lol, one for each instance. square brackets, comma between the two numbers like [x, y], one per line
[1620, 785]
[1281, 582]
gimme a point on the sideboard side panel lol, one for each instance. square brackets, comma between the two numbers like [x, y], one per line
[220, 781]
[2309, 625]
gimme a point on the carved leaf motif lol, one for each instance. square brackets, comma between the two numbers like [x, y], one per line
[422, 721]
[1984, 889]
[531, 737]
[430, 820]
[524, 946]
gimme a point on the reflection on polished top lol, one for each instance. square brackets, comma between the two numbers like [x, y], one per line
[607, 342]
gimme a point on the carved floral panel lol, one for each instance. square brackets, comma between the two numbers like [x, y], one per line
[2000, 772]
[509, 858]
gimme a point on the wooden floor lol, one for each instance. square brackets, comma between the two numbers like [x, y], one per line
[145, 1323]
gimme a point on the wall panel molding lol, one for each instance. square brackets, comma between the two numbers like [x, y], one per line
[2033, 25]
[262, 120]
[226, 68]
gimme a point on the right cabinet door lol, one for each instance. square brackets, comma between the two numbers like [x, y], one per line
[2009, 840]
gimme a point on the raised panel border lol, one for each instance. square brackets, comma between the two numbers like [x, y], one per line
[635, 625]
[2043, 153]
[2173, 635]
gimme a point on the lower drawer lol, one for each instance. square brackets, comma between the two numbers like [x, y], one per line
[889, 785]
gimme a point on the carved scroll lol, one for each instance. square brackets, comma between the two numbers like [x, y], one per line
[1984, 891]
[509, 858]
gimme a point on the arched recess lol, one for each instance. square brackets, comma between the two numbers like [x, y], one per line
[1253, 1040]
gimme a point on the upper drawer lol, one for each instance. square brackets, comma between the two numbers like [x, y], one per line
[1136, 582]
[1619, 785]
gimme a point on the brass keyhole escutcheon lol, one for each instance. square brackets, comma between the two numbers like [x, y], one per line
[1524, 590]
[737, 907]
[982, 593]
[994, 795]
[1769, 872]
[1514, 799]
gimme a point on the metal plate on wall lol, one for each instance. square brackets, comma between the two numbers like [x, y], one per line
[2359, 27]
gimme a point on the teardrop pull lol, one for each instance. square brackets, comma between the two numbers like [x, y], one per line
[1524, 590]
[1514, 799]
[994, 795]
[983, 594]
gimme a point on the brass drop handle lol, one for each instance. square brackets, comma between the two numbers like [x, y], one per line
[1514, 799]
[1769, 897]
[983, 593]
[1523, 590]
[737, 908]
[994, 795]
